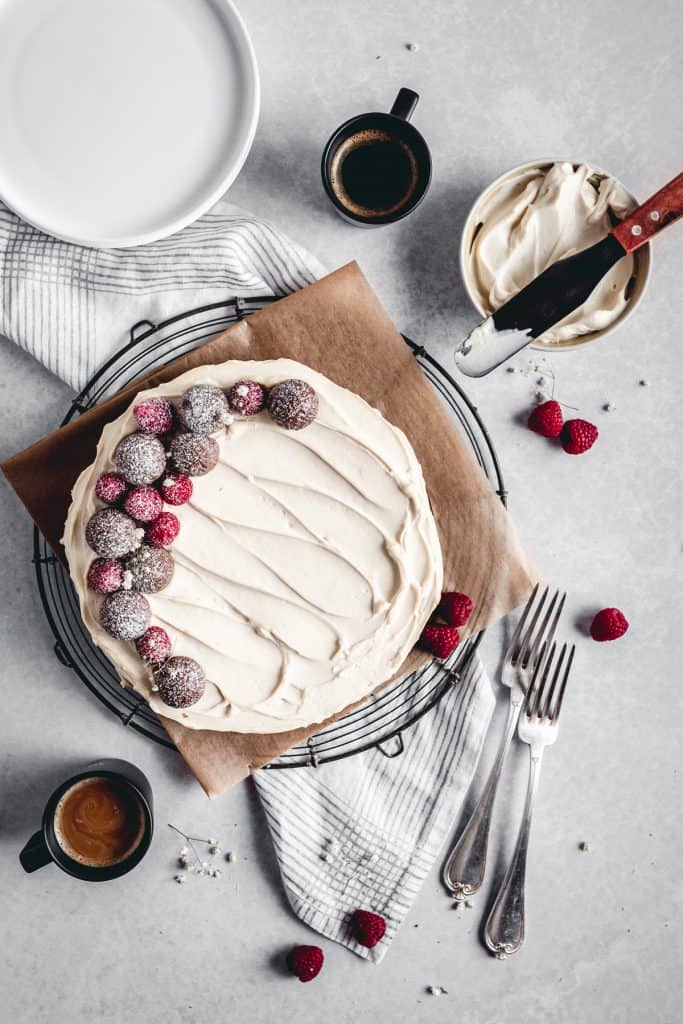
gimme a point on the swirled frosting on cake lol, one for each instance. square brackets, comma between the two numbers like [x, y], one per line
[306, 564]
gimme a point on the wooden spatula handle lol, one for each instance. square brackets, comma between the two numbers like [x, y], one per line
[663, 208]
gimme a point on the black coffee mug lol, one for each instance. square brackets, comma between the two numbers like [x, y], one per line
[395, 180]
[44, 847]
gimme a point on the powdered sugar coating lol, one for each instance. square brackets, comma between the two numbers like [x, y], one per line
[140, 458]
[180, 682]
[203, 408]
[110, 488]
[247, 397]
[105, 575]
[163, 531]
[111, 533]
[125, 615]
[143, 503]
[293, 404]
[154, 646]
[155, 415]
[150, 568]
[176, 489]
[194, 454]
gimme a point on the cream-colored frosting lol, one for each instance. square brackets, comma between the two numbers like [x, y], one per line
[305, 568]
[538, 216]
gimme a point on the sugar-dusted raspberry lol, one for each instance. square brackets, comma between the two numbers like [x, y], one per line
[155, 415]
[180, 682]
[154, 646]
[247, 397]
[148, 569]
[204, 409]
[143, 503]
[110, 488]
[163, 531]
[111, 533]
[293, 404]
[194, 454]
[140, 458]
[125, 615]
[176, 489]
[105, 575]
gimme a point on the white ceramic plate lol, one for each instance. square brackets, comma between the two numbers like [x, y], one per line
[121, 121]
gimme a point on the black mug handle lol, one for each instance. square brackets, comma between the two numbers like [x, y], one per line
[35, 854]
[405, 104]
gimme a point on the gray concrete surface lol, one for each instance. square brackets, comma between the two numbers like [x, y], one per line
[500, 84]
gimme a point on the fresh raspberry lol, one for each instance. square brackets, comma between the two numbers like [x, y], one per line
[176, 489]
[154, 646]
[306, 962]
[546, 419]
[608, 624]
[155, 415]
[143, 503]
[163, 531]
[367, 928]
[105, 575]
[578, 436]
[455, 608]
[439, 640]
[110, 488]
[247, 397]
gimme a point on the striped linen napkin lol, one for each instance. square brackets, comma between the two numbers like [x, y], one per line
[362, 832]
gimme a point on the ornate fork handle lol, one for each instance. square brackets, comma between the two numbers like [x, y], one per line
[504, 931]
[464, 870]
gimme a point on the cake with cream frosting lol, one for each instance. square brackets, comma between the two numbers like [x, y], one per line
[253, 547]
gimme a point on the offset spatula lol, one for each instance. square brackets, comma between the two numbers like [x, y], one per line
[564, 286]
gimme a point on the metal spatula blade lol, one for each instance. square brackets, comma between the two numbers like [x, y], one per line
[549, 298]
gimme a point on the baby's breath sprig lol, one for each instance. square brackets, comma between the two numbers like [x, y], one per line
[190, 860]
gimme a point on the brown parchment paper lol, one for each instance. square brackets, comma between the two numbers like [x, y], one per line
[336, 326]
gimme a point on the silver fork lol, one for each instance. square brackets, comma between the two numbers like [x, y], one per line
[464, 870]
[504, 931]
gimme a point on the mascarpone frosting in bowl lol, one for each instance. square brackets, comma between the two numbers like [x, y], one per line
[537, 214]
[306, 565]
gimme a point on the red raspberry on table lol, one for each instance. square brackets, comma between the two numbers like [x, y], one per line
[110, 488]
[154, 646]
[440, 640]
[105, 575]
[247, 397]
[608, 624]
[163, 531]
[143, 503]
[176, 489]
[155, 415]
[546, 419]
[455, 608]
[306, 962]
[367, 928]
[577, 436]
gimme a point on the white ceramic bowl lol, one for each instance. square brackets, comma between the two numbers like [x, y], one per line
[122, 122]
[642, 257]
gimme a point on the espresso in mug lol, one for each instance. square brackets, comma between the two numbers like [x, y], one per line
[374, 173]
[99, 822]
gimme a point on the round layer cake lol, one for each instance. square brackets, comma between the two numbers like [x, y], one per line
[304, 557]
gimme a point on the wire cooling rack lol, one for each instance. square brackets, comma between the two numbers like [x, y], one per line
[381, 720]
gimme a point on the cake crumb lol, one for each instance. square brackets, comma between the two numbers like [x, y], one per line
[437, 990]
[609, 407]
[585, 847]
[644, 383]
[413, 47]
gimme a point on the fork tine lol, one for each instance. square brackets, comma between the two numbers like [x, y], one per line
[547, 635]
[560, 696]
[538, 682]
[520, 625]
[547, 704]
[519, 655]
